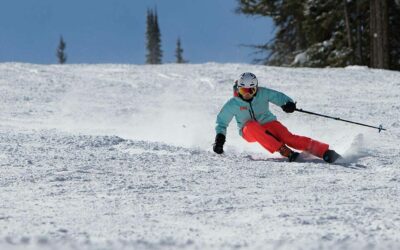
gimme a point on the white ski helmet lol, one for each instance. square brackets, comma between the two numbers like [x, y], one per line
[247, 80]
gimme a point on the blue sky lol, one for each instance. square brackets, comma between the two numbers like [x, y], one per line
[113, 31]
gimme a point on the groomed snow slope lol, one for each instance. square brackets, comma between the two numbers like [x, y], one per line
[119, 157]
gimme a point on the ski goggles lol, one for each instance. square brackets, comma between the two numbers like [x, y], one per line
[244, 91]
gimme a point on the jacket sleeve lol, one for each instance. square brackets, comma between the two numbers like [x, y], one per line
[224, 117]
[278, 98]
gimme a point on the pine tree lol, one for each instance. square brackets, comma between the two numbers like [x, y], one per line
[179, 52]
[394, 34]
[153, 36]
[379, 34]
[61, 56]
[320, 33]
[149, 37]
[288, 17]
[329, 33]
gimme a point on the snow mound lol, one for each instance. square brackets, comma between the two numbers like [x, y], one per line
[356, 67]
[119, 157]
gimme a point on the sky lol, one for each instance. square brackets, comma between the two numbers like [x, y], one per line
[113, 31]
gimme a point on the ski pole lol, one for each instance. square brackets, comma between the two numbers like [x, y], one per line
[380, 128]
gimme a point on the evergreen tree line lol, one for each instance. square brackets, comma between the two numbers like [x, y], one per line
[153, 43]
[61, 55]
[153, 35]
[320, 33]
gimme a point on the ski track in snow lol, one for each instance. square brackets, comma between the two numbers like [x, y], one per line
[119, 157]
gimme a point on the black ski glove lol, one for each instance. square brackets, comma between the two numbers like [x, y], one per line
[219, 144]
[289, 107]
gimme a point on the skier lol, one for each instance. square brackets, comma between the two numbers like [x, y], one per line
[250, 107]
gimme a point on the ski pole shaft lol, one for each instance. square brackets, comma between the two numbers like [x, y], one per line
[380, 128]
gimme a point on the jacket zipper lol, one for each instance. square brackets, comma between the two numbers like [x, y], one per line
[253, 116]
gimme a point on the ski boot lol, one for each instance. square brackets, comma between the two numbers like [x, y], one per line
[331, 156]
[287, 152]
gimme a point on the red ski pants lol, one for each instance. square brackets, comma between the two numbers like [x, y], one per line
[273, 135]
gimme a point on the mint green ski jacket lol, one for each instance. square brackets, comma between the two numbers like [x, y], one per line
[243, 111]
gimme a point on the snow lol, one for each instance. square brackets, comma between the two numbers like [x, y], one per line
[356, 67]
[300, 58]
[119, 157]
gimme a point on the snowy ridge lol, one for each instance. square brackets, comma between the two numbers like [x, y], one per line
[119, 157]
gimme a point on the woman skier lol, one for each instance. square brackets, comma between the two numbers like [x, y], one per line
[256, 123]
